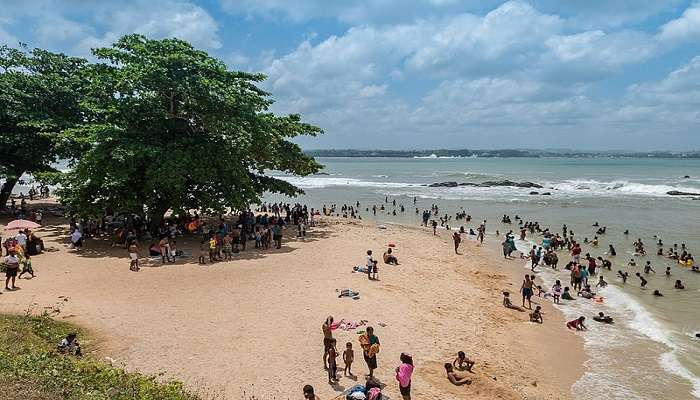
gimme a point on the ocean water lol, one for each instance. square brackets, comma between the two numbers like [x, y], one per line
[650, 352]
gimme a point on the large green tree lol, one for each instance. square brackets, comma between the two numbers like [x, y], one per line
[170, 128]
[39, 95]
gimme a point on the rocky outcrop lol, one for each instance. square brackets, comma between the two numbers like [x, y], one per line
[444, 184]
[678, 193]
[488, 184]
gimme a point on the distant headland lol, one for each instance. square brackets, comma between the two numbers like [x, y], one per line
[466, 153]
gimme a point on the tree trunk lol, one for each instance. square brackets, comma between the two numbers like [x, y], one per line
[156, 217]
[6, 190]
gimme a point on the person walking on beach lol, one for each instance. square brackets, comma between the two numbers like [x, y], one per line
[403, 375]
[526, 290]
[327, 338]
[11, 268]
[457, 239]
[370, 347]
[134, 256]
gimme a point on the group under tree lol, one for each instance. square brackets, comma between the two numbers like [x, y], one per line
[160, 125]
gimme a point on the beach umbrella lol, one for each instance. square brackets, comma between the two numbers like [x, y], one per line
[22, 224]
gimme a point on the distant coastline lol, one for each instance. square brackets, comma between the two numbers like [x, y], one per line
[466, 153]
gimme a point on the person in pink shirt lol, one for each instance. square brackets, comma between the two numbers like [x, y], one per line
[403, 375]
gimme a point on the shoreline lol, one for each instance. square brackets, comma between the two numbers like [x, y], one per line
[201, 320]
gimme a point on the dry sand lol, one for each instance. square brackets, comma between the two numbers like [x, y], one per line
[254, 324]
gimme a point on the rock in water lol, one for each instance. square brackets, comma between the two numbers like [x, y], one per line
[679, 193]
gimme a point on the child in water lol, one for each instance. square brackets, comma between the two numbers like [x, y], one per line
[577, 324]
[623, 275]
[556, 291]
[601, 282]
[643, 281]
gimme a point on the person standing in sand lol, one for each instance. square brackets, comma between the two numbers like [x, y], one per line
[526, 290]
[134, 256]
[457, 239]
[11, 268]
[327, 338]
[370, 347]
[403, 375]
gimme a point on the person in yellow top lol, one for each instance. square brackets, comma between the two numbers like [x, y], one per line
[212, 249]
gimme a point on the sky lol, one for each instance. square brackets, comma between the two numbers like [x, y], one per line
[428, 74]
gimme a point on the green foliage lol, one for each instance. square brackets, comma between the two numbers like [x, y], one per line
[169, 127]
[39, 96]
[30, 366]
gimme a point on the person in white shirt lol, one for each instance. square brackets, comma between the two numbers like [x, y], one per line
[76, 239]
[11, 268]
[21, 239]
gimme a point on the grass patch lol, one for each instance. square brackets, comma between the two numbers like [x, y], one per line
[32, 369]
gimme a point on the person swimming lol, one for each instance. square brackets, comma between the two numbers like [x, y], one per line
[606, 319]
[658, 294]
[679, 284]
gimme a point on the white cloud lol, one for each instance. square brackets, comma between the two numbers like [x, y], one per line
[601, 50]
[372, 90]
[78, 26]
[687, 27]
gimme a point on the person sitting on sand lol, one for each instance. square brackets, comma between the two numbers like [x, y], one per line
[389, 258]
[309, 393]
[577, 324]
[606, 319]
[462, 362]
[678, 285]
[455, 378]
[70, 345]
[536, 316]
[507, 303]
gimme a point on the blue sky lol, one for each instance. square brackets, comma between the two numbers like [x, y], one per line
[411, 74]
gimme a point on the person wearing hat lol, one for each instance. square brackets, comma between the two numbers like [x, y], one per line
[11, 268]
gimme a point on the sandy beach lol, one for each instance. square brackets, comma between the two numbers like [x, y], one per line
[253, 325]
